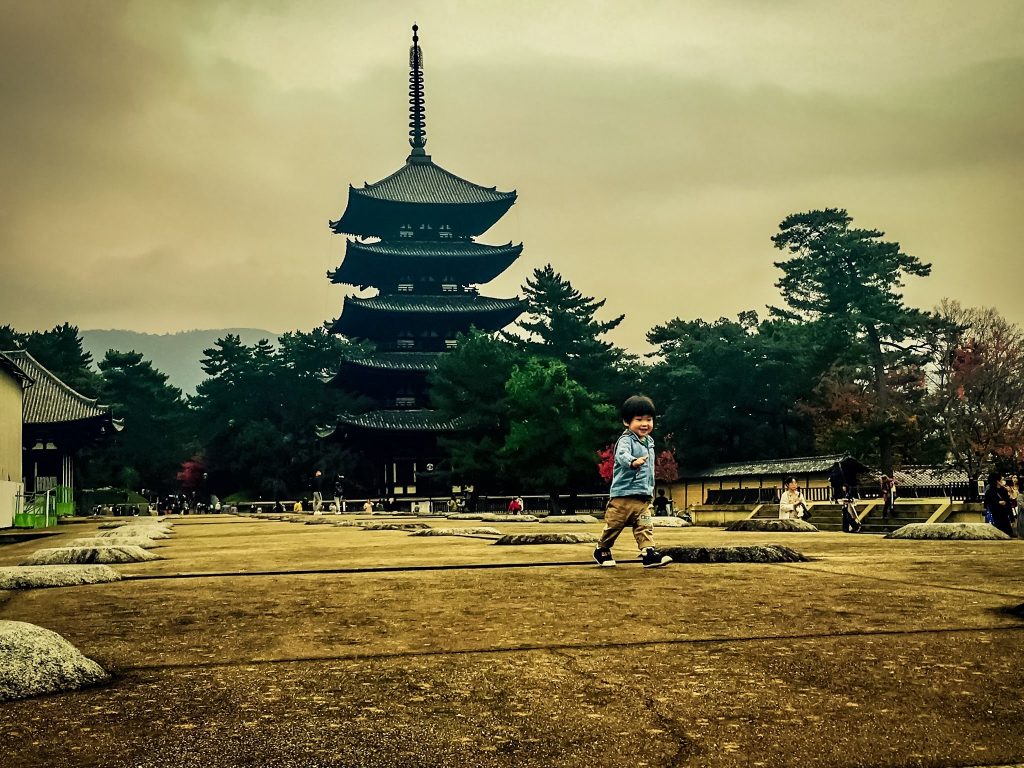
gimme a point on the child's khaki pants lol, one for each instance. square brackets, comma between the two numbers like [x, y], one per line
[631, 511]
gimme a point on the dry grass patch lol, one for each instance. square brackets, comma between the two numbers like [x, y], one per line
[119, 541]
[569, 519]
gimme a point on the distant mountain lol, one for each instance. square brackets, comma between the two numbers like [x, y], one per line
[176, 354]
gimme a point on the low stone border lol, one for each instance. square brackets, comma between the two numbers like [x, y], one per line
[517, 539]
[479, 531]
[960, 531]
[38, 661]
[771, 553]
[569, 519]
[40, 576]
[772, 525]
[76, 555]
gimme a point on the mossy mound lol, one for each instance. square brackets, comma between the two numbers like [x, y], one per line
[89, 555]
[671, 522]
[116, 541]
[569, 519]
[38, 661]
[372, 525]
[39, 576]
[772, 553]
[477, 531]
[963, 531]
[146, 531]
[519, 539]
[494, 517]
[772, 525]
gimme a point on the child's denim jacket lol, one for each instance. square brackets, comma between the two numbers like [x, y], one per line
[627, 481]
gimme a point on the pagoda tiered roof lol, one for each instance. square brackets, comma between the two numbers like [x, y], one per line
[421, 362]
[422, 191]
[401, 421]
[391, 261]
[371, 317]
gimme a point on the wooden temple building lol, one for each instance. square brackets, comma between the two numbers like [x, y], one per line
[413, 239]
[57, 422]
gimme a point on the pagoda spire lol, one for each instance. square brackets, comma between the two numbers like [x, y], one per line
[417, 110]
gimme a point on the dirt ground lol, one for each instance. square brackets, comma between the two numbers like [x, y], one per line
[259, 643]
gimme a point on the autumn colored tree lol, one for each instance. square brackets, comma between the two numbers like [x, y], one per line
[979, 388]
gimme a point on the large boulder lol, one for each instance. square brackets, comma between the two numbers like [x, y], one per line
[772, 553]
[772, 525]
[965, 531]
[38, 661]
[517, 539]
[35, 576]
[83, 555]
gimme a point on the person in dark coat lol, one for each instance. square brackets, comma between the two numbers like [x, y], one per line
[837, 479]
[998, 504]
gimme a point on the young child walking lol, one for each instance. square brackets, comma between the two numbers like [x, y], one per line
[629, 500]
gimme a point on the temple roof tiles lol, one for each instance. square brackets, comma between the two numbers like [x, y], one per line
[49, 400]
[433, 304]
[401, 421]
[802, 465]
[433, 248]
[426, 182]
[398, 361]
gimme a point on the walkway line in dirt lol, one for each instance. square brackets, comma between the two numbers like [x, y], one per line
[532, 647]
[904, 583]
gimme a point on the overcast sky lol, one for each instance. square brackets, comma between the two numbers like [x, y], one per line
[171, 165]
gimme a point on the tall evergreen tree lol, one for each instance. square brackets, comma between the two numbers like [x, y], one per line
[560, 324]
[148, 451]
[850, 279]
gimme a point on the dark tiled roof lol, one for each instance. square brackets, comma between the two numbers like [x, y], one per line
[50, 400]
[389, 262]
[398, 361]
[928, 475]
[433, 304]
[12, 368]
[433, 248]
[401, 421]
[772, 467]
[425, 182]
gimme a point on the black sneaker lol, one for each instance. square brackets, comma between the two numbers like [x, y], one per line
[652, 558]
[603, 557]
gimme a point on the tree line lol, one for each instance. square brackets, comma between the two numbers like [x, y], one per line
[842, 365]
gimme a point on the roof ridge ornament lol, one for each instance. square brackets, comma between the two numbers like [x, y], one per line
[417, 110]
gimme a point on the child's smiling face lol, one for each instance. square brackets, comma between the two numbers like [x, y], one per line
[641, 426]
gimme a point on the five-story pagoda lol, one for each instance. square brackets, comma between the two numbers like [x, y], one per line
[413, 241]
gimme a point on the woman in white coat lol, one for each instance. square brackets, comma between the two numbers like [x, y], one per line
[792, 505]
